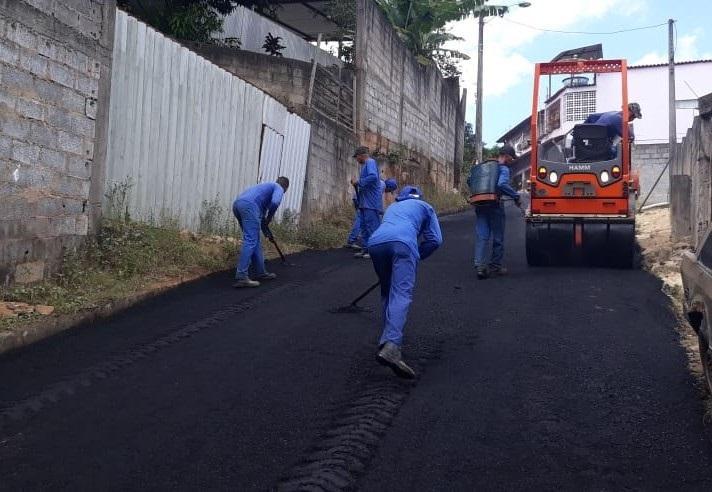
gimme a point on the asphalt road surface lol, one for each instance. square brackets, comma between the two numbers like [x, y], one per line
[547, 379]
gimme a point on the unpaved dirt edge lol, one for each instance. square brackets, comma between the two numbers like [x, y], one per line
[41, 328]
[662, 257]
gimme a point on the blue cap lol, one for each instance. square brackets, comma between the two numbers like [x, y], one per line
[391, 184]
[409, 192]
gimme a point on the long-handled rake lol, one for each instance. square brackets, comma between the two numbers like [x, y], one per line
[354, 307]
[281, 255]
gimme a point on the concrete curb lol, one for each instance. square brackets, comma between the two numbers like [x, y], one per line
[45, 327]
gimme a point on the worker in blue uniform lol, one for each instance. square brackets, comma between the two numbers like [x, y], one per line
[370, 196]
[353, 241]
[613, 121]
[491, 219]
[388, 198]
[395, 253]
[254, 209]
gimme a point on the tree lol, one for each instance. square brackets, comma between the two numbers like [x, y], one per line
[272, 46]
[343, 14]
[421, 25]
[192, 20]
[468, 156]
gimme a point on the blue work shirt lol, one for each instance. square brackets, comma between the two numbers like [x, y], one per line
[405, 221]
[369, 186]
[381, 191]
[612, 120]
[267, 196]
[503, 186]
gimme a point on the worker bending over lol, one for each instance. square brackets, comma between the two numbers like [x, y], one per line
[613, 121]
[389, 196]
[353, 241]
[370, 196]
[395, 253]
[254, 209]
[491, 219]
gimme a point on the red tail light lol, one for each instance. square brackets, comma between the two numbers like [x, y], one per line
[616, 172]
[542, 172]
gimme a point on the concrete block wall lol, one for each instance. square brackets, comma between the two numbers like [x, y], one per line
[403, 104]
[285, 79]
[691, 193]
[329, 168]
[55, 59]
[650, 160]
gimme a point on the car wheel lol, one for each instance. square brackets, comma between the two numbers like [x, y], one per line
[706, 359]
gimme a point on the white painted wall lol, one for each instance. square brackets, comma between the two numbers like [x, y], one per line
[648, 87]
[184, 130]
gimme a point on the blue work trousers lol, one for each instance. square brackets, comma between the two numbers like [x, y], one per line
[355, 229]
[489, 225]
[248, 215]
[395, 265]
[370, 220]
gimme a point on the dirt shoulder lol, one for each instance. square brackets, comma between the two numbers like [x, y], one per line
[662, 256]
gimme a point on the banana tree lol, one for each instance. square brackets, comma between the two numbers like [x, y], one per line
[421, 26]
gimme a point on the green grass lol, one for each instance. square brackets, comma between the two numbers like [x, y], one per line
[124, 258]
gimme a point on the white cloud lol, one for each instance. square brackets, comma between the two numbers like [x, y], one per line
[686, 49]
[505, 66]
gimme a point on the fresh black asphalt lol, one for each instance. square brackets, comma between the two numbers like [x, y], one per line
[546, 379]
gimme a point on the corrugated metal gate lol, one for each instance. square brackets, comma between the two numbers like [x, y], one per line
[186, 132]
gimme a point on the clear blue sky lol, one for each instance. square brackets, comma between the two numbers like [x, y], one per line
[511, 48]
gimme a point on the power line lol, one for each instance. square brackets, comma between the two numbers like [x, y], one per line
[582, 32]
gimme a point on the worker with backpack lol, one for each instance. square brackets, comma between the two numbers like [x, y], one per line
[488, 182]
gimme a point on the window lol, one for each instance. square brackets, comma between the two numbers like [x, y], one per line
[553, 117]
[579, 105]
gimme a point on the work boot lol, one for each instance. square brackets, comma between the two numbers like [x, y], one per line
[245, 282]
[267, 276]
[482, 273]
[390, 355]
[362, 254]
[497, 271]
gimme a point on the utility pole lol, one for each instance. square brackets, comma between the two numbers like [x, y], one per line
[672, 121]
[478, 94]
[483, 11]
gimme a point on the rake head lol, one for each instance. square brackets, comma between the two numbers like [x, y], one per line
[350, 309]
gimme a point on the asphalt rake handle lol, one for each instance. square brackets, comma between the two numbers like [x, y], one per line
[281, 255]
[354, 307]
